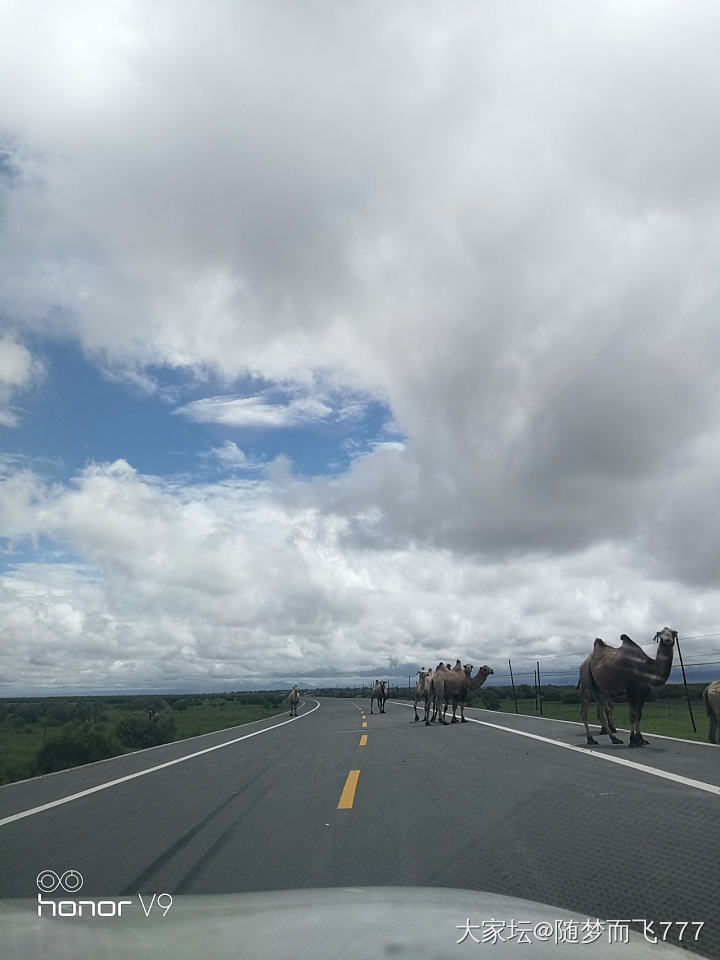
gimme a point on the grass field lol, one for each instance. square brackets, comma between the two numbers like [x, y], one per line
[19, 744]
[669, 718]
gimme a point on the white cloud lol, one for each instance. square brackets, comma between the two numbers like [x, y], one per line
[254, 411]
[230, 582]
[229, 455]
[18, 371]
[499, 223]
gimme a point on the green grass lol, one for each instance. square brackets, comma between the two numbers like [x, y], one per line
[19, 746]
[667, 717]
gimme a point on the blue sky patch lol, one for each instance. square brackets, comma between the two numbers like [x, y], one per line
[81, 413]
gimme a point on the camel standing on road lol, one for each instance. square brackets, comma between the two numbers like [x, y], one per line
[456, 684]
[628, 669]
[379, 693]
[711, 696]
[294, 699]
[587, 693]
[422, 690]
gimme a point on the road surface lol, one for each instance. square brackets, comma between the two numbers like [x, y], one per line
[322, 800]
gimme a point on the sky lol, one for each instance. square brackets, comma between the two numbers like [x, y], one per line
[339, 338]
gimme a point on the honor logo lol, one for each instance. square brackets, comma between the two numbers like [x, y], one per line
[71, 881]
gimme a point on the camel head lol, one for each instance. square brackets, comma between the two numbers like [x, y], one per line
[666, 635]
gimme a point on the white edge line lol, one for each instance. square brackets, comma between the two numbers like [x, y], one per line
[577, 723]
[587, 752]
[142, 773]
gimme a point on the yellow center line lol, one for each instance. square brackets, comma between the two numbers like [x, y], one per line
[364, 723]
[363, 740]
[347, 797]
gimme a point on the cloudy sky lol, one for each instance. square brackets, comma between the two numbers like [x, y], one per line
[339, 337]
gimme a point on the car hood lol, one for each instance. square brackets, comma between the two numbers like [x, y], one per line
[355, 923]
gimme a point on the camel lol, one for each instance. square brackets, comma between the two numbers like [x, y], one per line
[587, 693]
[711, 696]
[379, 693]
[294, 699]
[462, 699]
[455, 684]
[422, 688]
[628, 669]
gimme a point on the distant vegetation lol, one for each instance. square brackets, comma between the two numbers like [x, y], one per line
[41, 735]
[665, 712]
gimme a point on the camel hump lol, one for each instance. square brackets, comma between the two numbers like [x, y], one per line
[627, 642]
[599, 643]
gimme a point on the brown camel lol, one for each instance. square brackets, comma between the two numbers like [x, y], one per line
[628, 669]
[456, 685]
[294, 699]
[711, 696]
[379, 693]
[422, 688]
[586, 695]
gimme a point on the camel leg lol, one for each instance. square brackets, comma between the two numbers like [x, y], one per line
[602, 732]
[636, 699]
[603, 705]
[428, 714]
[583, 716]
[609, 711]
[713, 731]
[640, 706]
[634, 742]
[462, 713]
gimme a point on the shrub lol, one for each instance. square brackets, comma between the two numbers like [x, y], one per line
[491, 699]
[138, 733]
[77, 744]
[573, 696]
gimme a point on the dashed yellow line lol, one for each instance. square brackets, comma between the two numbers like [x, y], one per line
[363, 740]
[347, 797]
[364, 723]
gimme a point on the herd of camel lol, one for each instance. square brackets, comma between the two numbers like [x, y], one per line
[606, 672]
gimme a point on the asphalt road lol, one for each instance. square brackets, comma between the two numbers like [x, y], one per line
[473, 806]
